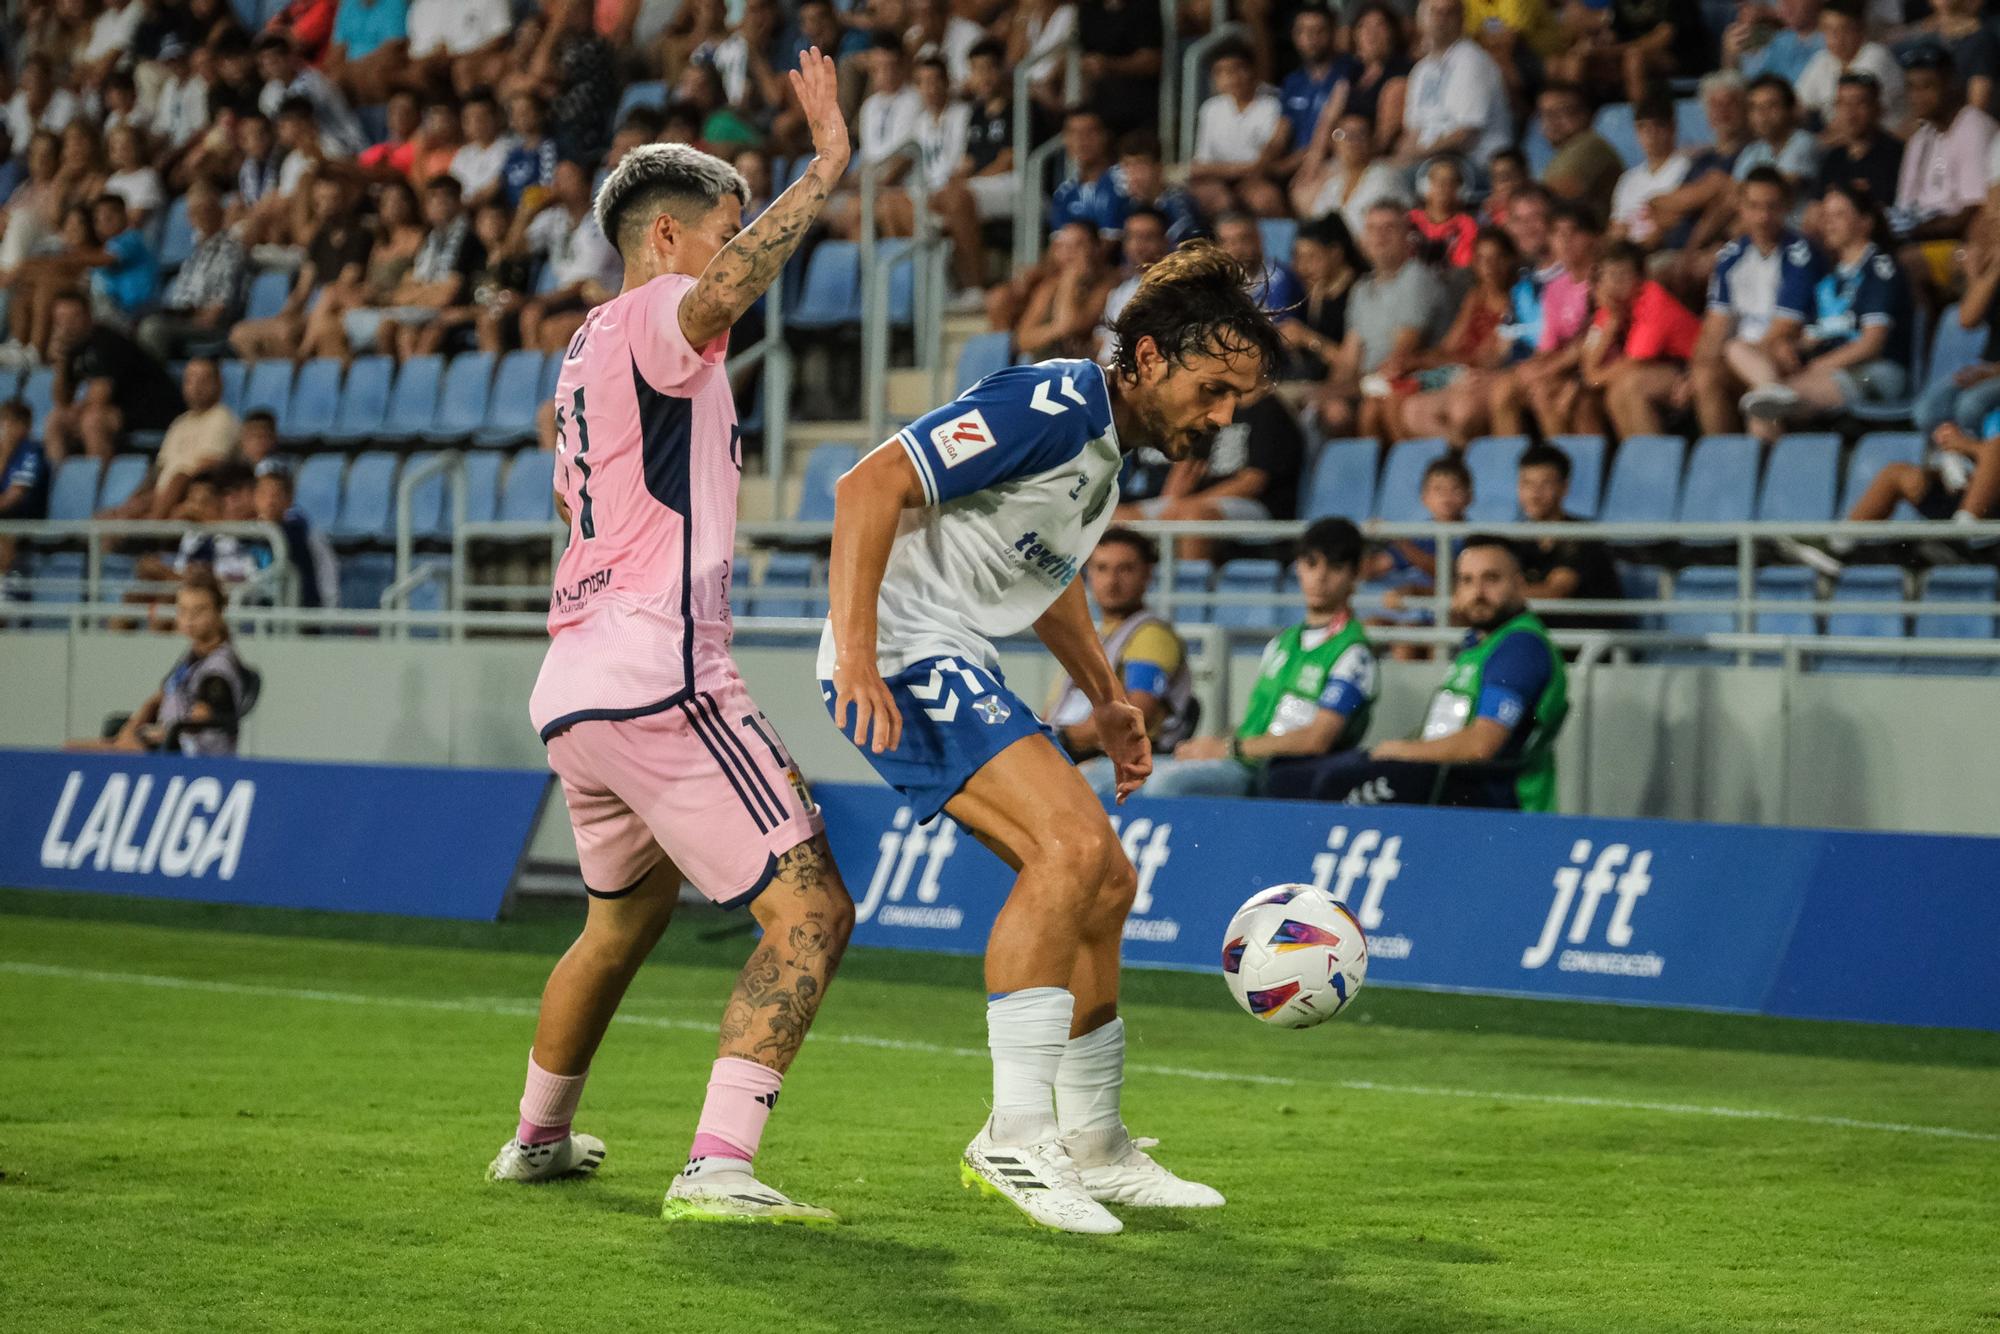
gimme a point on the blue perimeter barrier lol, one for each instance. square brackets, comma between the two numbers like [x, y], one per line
[1821, 924]
[351, 838]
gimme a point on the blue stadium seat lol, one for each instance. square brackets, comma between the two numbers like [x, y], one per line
[1865, 583]
[1614, 123]
[1277, 235]
[413, 403]
[1250, 576]
[430, 501]
[267, 295]
[314, 403]
[1397, 500]
[482, 487]
[1786, 583]
[122, 476]
[824, 467]
[1494, 461]
[517, 397]
[364, 400]
[641, 95]
[1586, 472]
[1721, 484]
[1958, 583]
[38, 392]
[269, 388]
[529, 494]
[1954, 348]
[1703, 583]
[234, 373]
[831, 298]
[1192, 577]
[1342, 482]
[902, 280]
[551, 372]
[73, 493]
[1799, 479]
[368, 501]
[1641, 583]
[1872, 453]
[784, 589]
[67, 566]
[364, 577]
[1691, 128]
[176, 234]
[982, 355]
[1645, 484]
[316, 488]
[461, 404]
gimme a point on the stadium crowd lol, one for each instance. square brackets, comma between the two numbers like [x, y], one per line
[1421, 193]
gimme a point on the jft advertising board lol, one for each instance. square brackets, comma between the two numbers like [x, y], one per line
[1640, 911]
[419, 842]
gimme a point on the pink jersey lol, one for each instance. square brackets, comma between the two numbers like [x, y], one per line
[648, 463]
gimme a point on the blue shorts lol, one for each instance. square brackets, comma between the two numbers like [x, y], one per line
[956, 717]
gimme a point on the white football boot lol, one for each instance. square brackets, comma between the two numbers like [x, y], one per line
[576, 1156]
[717, 1194]
[1116, 1169]
[1037, 1179]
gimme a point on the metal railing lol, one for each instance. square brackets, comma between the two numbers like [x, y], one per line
[926, 255]
[275, 579]
[1032, 163]
[451, 465]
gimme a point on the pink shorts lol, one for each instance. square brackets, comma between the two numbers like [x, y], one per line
[707, 784]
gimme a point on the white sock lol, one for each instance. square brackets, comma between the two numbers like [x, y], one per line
[1964, 516]
[1026, 1032]
[1088, 1081]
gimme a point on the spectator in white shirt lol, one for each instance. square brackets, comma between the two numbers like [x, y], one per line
[110, 39]
[1662, 170]
[948, 36]
[1943, 181]
[1240, 138]
[751, 82]
[585, 268]
[940, 131]
[132, 178]
[888, 119]
[286, 77]
[1457, 100]
[1844, 26]
[478, 163]
[460, 42]
[39, 104]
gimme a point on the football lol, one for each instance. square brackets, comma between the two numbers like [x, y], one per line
[1294, 957]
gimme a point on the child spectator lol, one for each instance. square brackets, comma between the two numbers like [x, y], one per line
[1446, 229]
[1640, 342]
[1661, 171]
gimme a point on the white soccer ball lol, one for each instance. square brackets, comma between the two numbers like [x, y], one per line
[1294, 957]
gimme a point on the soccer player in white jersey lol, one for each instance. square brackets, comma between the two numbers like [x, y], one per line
[669, 770]
[971, 525]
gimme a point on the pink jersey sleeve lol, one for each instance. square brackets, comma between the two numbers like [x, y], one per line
[665, 357]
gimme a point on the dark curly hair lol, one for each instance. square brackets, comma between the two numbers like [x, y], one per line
[1196, 302]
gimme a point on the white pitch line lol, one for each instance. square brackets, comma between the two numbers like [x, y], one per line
[498, 1007]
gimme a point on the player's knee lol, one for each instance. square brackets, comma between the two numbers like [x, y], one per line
[1075, 858]
[1120, 889]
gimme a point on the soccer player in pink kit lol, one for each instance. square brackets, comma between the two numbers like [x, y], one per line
[668, 768]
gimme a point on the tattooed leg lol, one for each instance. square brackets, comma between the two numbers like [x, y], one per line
[807, 916]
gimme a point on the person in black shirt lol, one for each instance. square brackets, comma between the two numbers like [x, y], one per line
[1856, 149]
[1251, 472]
[1560, 567]
[987, 172]
[105, 385]
[1121, 60]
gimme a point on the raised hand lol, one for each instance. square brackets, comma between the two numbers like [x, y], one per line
[816, 83]
[1121, 731]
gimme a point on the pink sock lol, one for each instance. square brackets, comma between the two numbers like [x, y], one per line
[548, 1104]
[741, 1095]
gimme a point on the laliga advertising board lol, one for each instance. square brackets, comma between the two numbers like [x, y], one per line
[351, 838]
[1780, 921]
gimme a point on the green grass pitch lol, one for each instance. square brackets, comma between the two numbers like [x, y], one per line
[226, 1119]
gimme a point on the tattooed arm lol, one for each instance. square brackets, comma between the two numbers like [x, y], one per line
[751, 262]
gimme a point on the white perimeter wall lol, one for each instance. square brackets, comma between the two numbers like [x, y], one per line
[1730, 744]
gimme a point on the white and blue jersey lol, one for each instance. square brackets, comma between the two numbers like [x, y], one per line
[1020, 478]
[1758, 288]
[1867, 294]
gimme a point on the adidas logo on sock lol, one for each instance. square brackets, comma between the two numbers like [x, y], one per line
[770, 1100]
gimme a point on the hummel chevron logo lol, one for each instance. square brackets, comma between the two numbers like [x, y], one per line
[1042, 402]
[930, 690]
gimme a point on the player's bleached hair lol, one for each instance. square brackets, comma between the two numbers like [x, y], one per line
[652, 179]
[1196, 302]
